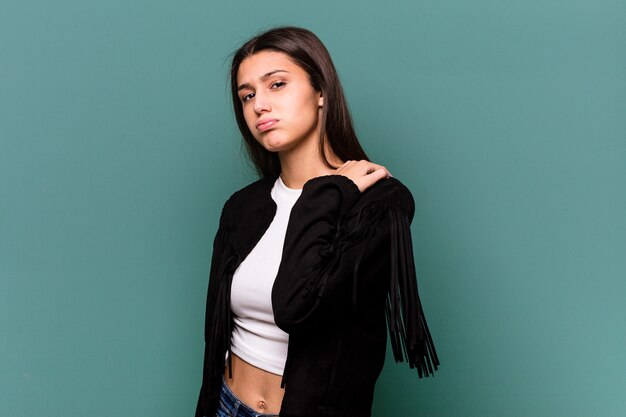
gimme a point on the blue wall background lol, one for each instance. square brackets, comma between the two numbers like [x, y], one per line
[506, 119]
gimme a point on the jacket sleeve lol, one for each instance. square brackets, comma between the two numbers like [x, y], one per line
[311, 261]
[216, 338]
[325, 242]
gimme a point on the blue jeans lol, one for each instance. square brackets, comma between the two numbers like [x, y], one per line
[231, 406]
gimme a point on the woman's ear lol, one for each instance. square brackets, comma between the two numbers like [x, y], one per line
[320, 102]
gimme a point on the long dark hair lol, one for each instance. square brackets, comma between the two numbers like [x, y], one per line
[307, 51]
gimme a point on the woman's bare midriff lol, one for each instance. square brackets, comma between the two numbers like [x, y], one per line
[258, 389]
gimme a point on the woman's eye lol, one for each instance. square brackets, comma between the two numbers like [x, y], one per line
[278, 84]
[247, 97]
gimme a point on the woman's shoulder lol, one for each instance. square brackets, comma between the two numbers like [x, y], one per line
[253, 194]
[390, 192]
[387, 192]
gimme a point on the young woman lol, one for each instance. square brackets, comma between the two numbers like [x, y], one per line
[312, 262]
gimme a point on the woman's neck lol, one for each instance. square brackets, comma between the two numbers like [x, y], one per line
[302, 164]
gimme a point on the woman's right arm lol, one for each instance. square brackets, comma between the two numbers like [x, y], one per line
[330, 236]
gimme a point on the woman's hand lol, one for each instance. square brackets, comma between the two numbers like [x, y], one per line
[363, 173]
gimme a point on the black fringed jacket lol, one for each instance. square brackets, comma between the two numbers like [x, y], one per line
[347, 273]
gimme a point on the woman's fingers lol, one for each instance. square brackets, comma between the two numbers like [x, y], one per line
[368, 180]
[363, 173]
[359, 168]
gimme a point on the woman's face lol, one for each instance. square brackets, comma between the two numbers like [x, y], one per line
[281, 108]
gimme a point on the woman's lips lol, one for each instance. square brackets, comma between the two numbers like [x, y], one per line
[266, 124]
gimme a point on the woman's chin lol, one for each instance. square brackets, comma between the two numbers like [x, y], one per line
[274, 145]
[280, 143]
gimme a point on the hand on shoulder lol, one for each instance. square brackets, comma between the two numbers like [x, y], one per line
[363, 173]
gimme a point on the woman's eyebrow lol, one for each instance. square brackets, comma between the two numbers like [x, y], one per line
[263, 78]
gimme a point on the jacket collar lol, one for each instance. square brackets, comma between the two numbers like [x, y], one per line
[251, 212]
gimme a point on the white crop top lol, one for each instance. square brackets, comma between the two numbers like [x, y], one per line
[256, 339]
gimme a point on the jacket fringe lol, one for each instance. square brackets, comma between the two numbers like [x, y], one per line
[217, 337]
[410, 337]
[411, 340]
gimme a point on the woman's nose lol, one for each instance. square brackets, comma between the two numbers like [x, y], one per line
[261, 104]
